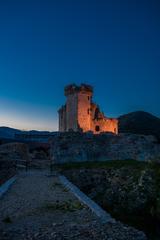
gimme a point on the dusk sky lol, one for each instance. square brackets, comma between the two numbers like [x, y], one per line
[44, 45]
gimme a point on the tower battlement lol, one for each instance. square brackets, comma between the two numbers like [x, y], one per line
[73, 88]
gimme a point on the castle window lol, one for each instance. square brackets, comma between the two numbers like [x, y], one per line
[88, 98]
[97, 128]
[96, 114]
[88, 110]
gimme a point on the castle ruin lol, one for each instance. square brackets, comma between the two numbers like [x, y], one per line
[81, 114]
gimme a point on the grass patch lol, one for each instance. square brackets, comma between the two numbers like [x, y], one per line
[7, 220]
[65, 190]
[66, 206]
[56, 184]
[59, 185]
[103, 164]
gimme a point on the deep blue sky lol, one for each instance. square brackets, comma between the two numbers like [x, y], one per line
[44, 45]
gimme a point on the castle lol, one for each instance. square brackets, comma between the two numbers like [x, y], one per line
[81, 114]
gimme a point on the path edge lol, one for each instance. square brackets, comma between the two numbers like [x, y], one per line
[95, 208]
[5, 186]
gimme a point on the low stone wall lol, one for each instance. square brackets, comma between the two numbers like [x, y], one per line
[81, 147]
[7, 170]
[12, 151]
[9, 154]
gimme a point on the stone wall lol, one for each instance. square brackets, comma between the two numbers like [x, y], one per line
[104, 125]
[71, 112]
[84, 111]
[9, 154]
[14, 151]
[81, 147]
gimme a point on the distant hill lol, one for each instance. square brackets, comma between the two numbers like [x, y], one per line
[6, 132]
[140, 123]
[9, 133]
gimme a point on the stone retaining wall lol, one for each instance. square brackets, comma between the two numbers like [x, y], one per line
[81, 147]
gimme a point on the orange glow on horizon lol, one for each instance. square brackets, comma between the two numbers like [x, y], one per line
[28, 124]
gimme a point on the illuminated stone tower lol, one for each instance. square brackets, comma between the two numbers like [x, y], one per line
[80, 113]
[76, 113]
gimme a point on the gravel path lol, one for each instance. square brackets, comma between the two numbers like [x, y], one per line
[37, 206]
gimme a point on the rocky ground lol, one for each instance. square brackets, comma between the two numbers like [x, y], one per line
[38, 207]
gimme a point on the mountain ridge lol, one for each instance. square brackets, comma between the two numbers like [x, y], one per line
[8, 132]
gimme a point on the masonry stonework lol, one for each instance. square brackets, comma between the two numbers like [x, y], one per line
[81, 114]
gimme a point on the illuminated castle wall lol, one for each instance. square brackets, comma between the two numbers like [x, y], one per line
[80, 113]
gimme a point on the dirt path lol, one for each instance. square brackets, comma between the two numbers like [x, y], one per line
[37, 206]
